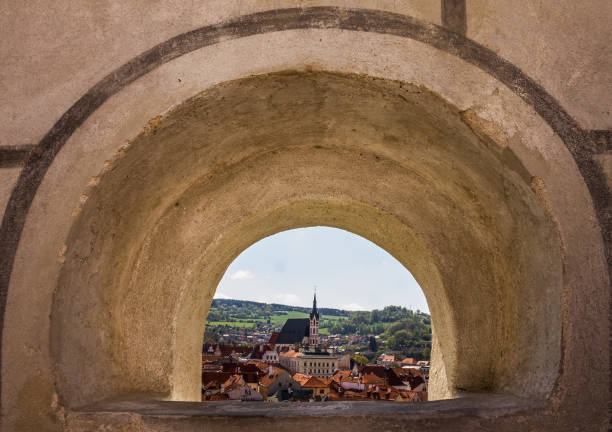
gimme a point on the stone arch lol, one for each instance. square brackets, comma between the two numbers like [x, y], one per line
[382, 159]
[562, 164]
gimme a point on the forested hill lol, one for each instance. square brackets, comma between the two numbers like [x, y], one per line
[260, 310]
[388, 322]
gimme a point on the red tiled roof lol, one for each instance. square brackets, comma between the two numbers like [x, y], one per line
[212, 358]
[230, 367]
[347, 395]
[267, 379]
[234, 380]
[212, 385]
[209, 350]
[378, 370]
[291, 353]
[259, 351]
[217, 377]
[301, 378]
[315, 382]
[273, 338]
[381, 372]
[343, 376]
[259, 365]
[240, 368]
[386, 358]
[372, 379]
[400, 372]
[413, 376]
[250, 378]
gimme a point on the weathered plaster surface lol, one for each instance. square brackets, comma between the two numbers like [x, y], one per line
[564, 45]
[54, 43]
[8, 179]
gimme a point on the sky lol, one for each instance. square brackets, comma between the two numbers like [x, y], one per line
[349, 272]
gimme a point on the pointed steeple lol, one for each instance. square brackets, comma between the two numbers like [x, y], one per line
[313, 335]
[314, 312]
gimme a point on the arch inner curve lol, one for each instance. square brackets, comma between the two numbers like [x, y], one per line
[246, 159]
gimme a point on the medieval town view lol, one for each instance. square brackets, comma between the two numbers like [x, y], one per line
[279, 350]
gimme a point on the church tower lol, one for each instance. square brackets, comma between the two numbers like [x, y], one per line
[313, 335]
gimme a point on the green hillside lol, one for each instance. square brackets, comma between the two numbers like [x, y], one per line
[393, 328]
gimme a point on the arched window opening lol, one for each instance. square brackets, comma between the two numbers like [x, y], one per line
[463, 214]
[317, 314]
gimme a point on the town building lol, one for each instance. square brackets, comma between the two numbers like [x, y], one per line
[300, 350]
[216, 351]
[318, 363]
[385, 359]
[290, 360]
[344, 362]
[264, 353]
[276, 379]
[319, 386]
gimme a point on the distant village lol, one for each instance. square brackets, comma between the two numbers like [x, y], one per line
[295, 364]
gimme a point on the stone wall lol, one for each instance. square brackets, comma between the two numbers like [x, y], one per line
[477, 134]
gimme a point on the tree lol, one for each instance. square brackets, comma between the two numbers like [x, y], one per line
[373, 344]
[400, 339]
[359, 359]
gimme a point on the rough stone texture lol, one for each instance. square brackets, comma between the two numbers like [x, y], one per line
[560, 45]
[48, 65]
[476, 412]
[194, 190]
[8, 178]
[54, 44]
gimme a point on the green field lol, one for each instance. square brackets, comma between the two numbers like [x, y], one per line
[332, 317]
[278, 318]
[281, 318]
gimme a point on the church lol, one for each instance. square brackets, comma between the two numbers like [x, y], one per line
[301, 331]
[300, 349]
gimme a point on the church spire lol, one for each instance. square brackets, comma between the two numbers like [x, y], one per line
[313, 336]
[314, 312]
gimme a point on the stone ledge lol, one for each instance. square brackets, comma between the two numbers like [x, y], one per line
[484, 404]
[470, 412]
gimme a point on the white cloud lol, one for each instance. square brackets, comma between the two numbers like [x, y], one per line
[287, 299]
[242, 274]
[220, 295]
[353, 307]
